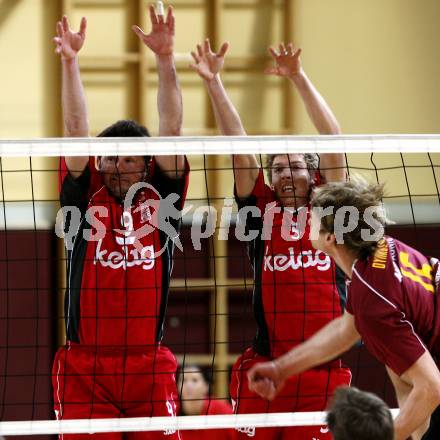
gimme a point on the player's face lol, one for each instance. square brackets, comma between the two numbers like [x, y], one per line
[193, 386]
[291, 180]
[120, 172]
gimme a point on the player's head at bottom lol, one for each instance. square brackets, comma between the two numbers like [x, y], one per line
[355, 414]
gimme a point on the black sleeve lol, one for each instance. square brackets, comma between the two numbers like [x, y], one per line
[341, 286]
[75, 191]
[166, 185]
[251, 200]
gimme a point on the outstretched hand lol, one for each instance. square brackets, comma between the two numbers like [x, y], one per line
[161, 38]
[287, 61]
[208, 63]
[265, 379]
[67, 42]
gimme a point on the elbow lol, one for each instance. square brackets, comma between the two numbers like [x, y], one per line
[76, 128]
[176, 131]
[431, 394]
[435, 394]
[328, 127]
[170, 128]
[335, 129]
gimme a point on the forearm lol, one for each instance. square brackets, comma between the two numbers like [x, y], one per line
[227, 117]
[332, 340]
[169, 104]
[246, 171]
[318, 110]
[74, 104]
[413, 416]
[333, 167]
[169, 97]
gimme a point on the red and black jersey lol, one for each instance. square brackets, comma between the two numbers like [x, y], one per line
[117, 288]
[295, 286]
[393, 298]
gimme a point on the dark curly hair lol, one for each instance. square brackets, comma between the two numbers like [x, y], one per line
[126, 128]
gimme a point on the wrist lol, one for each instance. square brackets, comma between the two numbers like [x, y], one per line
[215, 81]
[279, 366]
[297, 76]
[165, 57]
[397, 433]
[69, 60]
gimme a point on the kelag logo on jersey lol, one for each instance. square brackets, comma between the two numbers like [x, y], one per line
[130, 255]
[301, 260]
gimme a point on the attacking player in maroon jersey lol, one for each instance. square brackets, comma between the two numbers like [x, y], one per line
[113, 364]
[295, 291]
[392, 305]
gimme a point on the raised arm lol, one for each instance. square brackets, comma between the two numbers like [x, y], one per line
[76, 124]
[169, 99]
[268, 378]
[288, 64]
[208, 65]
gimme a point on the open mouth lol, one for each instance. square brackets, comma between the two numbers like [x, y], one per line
[287, 189]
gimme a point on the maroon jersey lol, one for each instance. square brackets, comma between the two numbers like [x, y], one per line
[117, 289]
[295, 291]
[393, 300]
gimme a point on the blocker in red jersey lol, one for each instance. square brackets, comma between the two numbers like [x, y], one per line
[295, 289]
[392, 305]
[113, 364]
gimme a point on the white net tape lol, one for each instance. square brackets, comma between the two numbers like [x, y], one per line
[91, 426]
[222, 145]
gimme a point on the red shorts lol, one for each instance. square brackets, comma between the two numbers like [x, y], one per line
[309, 391]
[105, 383]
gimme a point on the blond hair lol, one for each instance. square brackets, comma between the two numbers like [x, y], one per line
[361, 195]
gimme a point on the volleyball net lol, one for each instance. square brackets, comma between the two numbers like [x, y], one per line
[209, 319]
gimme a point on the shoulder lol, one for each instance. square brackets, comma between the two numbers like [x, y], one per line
[261, 194]
[373, 289]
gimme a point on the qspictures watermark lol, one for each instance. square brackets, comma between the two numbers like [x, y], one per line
[161, 214]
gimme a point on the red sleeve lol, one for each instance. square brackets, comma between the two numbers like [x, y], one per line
[260, 196]
[386, 332]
